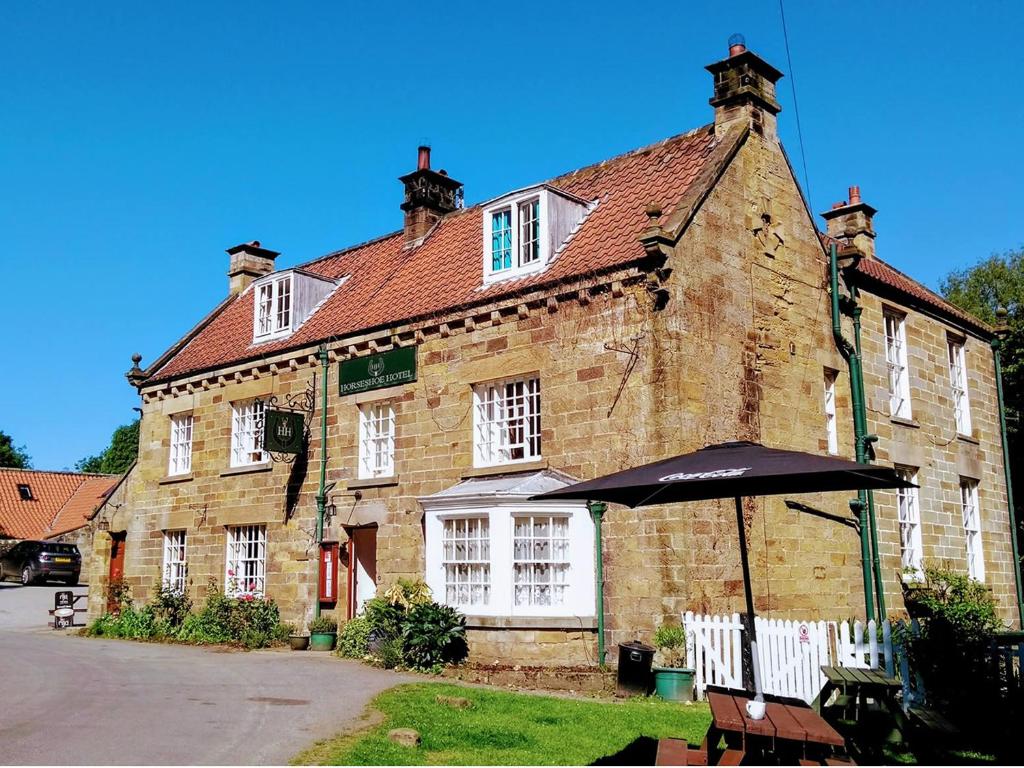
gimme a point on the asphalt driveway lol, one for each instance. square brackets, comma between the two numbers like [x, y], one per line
[83, 701]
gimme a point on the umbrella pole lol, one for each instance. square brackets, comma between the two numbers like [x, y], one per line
[747, 590]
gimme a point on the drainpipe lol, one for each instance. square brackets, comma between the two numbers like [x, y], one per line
[321, 494]
[852, 357]
[597, 510]
[866, 439]
[997, 344]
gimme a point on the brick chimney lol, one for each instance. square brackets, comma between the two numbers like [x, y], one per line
[849, 222]
[429, 195]
[248, 262]
[744, 90]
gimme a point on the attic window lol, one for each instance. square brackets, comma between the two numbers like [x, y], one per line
[273, 308]
[524, 230]
[25, 492]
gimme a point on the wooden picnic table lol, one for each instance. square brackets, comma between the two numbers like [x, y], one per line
[789, 731]
[858, 685]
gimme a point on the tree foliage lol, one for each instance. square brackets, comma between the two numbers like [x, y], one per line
[998, 281]
[117, 457]
[12, 456]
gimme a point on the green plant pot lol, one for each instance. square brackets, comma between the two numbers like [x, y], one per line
[673, 684]
[322, 641]
[299, 642]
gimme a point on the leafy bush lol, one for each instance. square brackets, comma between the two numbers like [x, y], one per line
[130, 624]
[170, 606]
[958, 620]
[433, 635]
[323, 625]
[408, 593]
[670, 639]
[385, 618]
[389, 653]
[354, 638]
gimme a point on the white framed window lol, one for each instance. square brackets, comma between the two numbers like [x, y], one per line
[273, 307]
[506, 418]
[515, 236]
[972, 528]
[246, 569]
[511, 557]
[831, 430]
[175, 567]
[180, 459]
[466, 558]
[958, 386]
[896, 362]
[247, 433]
[376, 440]
[908, 515]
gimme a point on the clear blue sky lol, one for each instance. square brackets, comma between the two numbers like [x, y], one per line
[138, 141]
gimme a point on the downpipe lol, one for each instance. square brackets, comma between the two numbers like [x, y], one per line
[997, 344]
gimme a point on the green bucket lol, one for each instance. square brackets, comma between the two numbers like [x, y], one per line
[322, 641]
[673, 684]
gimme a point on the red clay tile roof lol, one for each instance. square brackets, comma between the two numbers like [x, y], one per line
[78, 510]
[388, 284]
[877, 271]
[51, 493]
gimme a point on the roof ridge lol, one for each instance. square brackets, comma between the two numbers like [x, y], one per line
[58, 472]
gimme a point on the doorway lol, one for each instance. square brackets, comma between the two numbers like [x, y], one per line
[116, 572]
[362, 567]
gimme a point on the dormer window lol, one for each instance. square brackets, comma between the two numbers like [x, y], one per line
[284, 300]
[524, 230]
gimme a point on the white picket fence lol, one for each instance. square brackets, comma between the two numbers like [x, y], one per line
[791, 653]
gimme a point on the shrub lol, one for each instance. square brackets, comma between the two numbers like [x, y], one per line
[433, 635]
[385, 618]
[354, 638]
[323, 625]
[408, 593]
[389, 653]
[170, 606]
[670, 639]
[131, 624]
[958, 620]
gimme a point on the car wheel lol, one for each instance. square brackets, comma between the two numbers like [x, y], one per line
[27, 577]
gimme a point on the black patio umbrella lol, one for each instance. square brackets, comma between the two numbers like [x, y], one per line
[735, 469]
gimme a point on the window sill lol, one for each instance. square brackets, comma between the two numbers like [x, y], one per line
[506, 469]
[968, 439]
[577, 623]
[247, 469]
[373, 482]
[904, 422]
[175, 479]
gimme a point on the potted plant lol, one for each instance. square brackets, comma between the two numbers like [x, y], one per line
[673, 682]
[297, 640]
[323, 633]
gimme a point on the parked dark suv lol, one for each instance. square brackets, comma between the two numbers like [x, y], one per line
[31, 561]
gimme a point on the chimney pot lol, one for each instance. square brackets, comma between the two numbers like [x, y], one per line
[423, 158]
[737, 44]
[854, 195]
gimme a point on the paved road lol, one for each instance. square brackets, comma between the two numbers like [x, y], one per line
[83, 701]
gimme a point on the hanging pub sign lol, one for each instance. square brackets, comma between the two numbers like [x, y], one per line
[283, 431]
[384, 369]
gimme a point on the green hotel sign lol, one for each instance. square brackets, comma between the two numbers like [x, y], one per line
[283, 431]
[385, 369]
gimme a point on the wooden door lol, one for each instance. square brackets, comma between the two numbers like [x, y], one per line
[362, 568]
[116, 574]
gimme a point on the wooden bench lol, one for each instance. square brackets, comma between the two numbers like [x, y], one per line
[731, 757]
[932, 721]
[672, 752]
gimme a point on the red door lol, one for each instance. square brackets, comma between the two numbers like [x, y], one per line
[117, 542]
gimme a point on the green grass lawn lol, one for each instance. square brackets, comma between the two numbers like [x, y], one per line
[503, 728]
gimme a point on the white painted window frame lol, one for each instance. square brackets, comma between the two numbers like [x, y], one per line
[273, 300]
[466, 560]
[246, 433]
[495, 409]
[376, 439]
[971, 516]
[175, 565]
[908, 518]
[896, 362]
[245, 568]
[501, 514]
[179, 459]
[958, 386]
[831, 426]
[520, 267]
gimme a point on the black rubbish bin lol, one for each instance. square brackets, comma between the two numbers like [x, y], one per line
[634, 677]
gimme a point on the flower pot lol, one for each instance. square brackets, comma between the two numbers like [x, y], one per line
[322, 641]
[674, 683]
[299, 642]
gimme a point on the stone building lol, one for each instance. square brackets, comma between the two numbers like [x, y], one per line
[647, 305]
